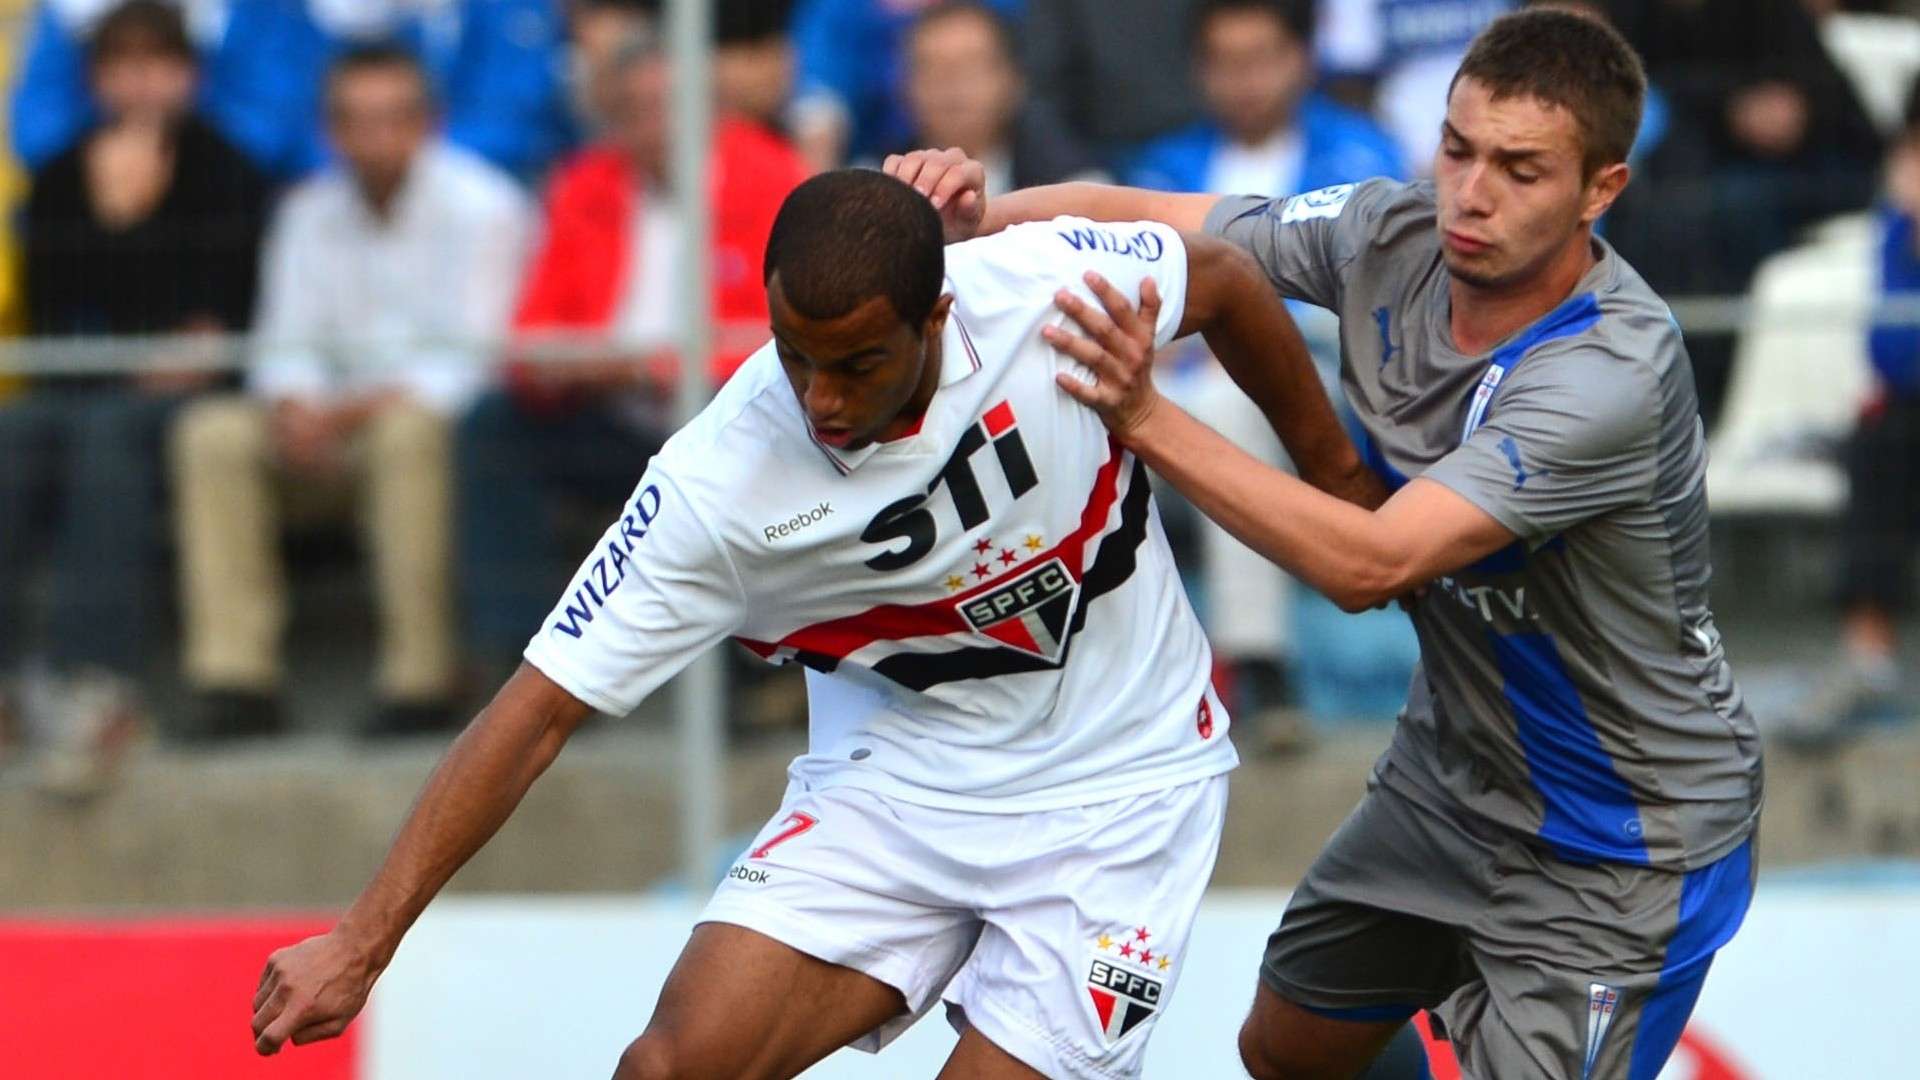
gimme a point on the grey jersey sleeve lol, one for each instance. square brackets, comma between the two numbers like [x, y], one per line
[1572, 434]
[1305, 242]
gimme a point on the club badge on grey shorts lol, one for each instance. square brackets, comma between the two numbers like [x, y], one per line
[1602, 1000]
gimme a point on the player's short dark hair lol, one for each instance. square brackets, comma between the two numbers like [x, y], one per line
[845, 237]
[141, 26]
[1296, 17]
[735, 22]
[1002, 27]
[745, 22]
[378, 56]
[1573, 61]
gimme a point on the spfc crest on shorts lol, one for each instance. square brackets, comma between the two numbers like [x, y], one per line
[1029, 612]
[1126, 981]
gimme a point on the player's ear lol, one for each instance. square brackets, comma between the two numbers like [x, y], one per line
[937, 318]
[1605, 186]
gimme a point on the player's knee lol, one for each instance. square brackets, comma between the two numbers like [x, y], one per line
[1265, 1059]
[1256, 1056]
[649, 1057]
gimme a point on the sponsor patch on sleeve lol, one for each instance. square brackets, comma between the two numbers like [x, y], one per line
[1324, 203]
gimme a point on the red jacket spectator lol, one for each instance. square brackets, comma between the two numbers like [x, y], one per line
[577, 280]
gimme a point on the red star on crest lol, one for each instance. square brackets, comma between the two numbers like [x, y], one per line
[1141, 934]
[1007, 556]
[1146, 956]
[981, 570]
[983, 545]
[1126, 950]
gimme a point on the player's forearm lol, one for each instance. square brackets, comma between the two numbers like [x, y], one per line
[1100, 202]
[470, 794]
[1255, 339]
[1333, 545]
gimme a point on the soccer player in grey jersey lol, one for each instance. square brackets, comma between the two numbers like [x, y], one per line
[1561, 835]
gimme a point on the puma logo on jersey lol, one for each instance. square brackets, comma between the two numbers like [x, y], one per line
[1383, 317]
[912, 520]
[1520, 473]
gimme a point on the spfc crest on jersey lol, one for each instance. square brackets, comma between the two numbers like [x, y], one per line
[1029, 612]
[1127, 980]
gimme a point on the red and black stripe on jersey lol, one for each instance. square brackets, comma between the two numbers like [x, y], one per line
[823, 646]
[1113, 564]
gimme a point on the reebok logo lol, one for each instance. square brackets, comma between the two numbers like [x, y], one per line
[783, 529]
[749, 875]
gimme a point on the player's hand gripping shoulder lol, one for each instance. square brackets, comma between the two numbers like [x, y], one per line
[311, 991]
[955, 184]
[1117, 350]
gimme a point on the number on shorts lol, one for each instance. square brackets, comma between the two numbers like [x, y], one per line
[796, 823]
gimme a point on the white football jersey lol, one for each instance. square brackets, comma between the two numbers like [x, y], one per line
[988, 608]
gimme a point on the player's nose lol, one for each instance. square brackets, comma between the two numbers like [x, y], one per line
[822, 401]
[1474, 195]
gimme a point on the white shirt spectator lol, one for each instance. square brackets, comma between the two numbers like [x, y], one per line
[206, 19]
[352, 303]
[1274, 164]
[647, 317]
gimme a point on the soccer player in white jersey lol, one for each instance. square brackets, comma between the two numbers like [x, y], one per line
[1014, 789]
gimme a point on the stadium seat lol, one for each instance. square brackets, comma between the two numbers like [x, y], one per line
[1800, 374]
[1880, 55]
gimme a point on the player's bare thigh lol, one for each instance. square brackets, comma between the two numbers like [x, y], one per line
[1282, 1041]
[978, 1058]
[741, 1005]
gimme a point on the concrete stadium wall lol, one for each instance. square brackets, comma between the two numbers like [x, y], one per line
[305, 823]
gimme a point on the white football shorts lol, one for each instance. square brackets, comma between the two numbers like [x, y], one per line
[1058, 934]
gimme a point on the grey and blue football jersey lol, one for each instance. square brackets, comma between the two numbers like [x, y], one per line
[1573, 685]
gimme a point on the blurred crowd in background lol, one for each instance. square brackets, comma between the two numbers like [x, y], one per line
[401, 273]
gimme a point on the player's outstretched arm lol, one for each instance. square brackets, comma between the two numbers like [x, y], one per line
[313, 990]
[1231, 304]
[957, 186]
[1356, 557]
